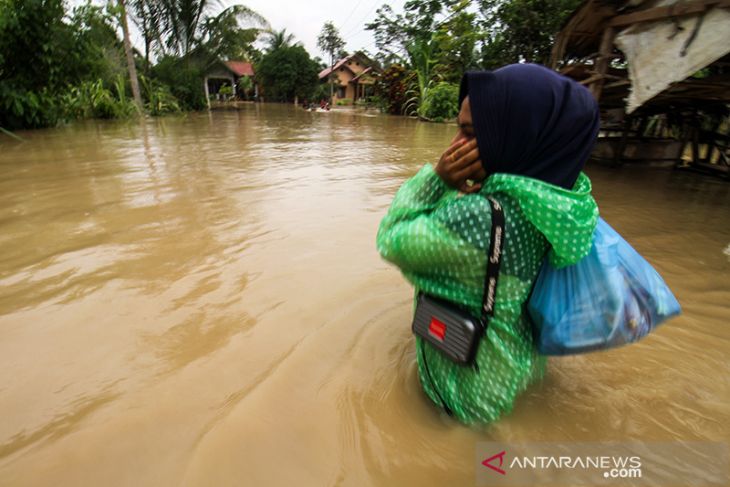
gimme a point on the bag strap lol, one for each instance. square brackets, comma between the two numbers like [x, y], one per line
[494, 259]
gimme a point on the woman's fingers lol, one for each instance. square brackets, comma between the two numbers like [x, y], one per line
[460, 162]
[465, 155]
[466, 159]
[469, 172]
[456, 144]
[459, 148]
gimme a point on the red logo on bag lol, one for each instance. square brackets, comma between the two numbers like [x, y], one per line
[487, 462]
[437, 329]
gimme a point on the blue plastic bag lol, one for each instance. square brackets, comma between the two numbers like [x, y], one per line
[611, 297]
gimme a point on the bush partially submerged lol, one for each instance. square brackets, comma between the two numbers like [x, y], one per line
[441, 103]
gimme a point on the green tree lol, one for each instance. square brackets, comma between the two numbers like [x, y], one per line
[456, 43]
[276, 39]
[288, 72]
[148, 17]
[185, 80]
[394, 32]
[196, 40]
[222, 37]
[330, 42]
[29, 34]
[435, 39]
[44, 52]
[185, 25]
[504, 31]
[517, 30]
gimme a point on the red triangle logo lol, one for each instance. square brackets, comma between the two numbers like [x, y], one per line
[487, 462]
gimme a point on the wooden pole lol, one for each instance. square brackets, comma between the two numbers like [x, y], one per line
[604, 57]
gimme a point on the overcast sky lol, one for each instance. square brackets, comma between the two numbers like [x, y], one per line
[305, 18]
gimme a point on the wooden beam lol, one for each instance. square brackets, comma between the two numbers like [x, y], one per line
[659, 13]
[623, 82]
[592, 79]
[604, 57]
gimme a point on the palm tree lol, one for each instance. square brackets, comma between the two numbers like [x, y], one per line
[276, 39]
[183, 21]
[147, 16]
[222, 36]
[130, 56]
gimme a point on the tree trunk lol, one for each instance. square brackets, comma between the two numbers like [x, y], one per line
[332, 79]
[130, 56]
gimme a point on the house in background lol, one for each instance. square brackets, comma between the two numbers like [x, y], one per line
[354, 77]
[227, 73]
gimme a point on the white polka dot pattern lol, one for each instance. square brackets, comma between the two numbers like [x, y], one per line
[438, 238]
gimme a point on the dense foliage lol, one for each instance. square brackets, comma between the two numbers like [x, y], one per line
[42, 57]
[439, 40]
[441, 103]
[58, 65]
[288, 72]
[391, 89]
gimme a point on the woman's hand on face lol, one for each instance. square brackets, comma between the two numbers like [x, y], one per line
[460, 163]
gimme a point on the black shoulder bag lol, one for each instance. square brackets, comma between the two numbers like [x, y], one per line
[449, 328]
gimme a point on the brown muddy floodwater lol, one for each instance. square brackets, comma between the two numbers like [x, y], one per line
[198, 301]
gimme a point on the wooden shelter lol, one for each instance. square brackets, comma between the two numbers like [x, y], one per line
[226, 73]
[661, 72]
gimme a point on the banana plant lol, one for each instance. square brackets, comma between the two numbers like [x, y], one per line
[422, 60]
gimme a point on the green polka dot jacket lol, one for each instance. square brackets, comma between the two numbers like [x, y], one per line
[439, 239]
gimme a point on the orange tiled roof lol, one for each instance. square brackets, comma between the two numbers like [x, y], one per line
[241, 68]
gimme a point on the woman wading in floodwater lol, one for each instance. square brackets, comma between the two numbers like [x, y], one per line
[525, 133]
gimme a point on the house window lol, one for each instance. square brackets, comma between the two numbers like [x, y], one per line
[341, 92]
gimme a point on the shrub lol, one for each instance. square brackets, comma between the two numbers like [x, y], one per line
[344, 101]
[158, 99]
[90, 99]
[441, 103]
[185, 80]
[391, 89]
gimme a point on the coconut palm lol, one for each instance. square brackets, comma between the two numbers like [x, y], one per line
[147, 15]
[134, 82]
[276, 39]
[183, 21]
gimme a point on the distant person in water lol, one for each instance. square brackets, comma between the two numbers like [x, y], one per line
[525, 133]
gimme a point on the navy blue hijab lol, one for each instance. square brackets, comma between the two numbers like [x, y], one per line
[531, 121]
